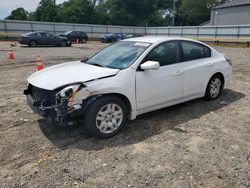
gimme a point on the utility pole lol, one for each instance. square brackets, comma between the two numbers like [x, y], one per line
[173, 18]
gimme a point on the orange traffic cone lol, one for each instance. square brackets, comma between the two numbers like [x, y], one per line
[11, 54]
[39, 64]
[77, 41]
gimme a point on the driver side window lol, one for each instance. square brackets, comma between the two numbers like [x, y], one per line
[166, 54]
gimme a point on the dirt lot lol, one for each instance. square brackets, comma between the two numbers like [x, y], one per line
[195, 144]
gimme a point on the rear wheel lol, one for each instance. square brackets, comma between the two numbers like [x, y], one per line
[33, 43]
[106, 116]
[214, 87]
[84, 41]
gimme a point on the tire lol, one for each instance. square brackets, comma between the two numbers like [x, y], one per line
[33, 43]
[70, 44]
[99, 119]
[214, 87]
[63, 44]
[83, 41]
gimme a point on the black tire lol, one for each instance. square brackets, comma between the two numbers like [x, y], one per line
[33, 43]
[70, 44]
[84, 41]
[90, 117]
[213, 91]
[63, 44]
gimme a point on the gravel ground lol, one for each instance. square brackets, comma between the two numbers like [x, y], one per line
[194, 144]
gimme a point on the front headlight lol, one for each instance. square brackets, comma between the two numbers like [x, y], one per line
[69, 90]
[72, 95]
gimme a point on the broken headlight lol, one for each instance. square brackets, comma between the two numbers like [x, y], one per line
[68, 91]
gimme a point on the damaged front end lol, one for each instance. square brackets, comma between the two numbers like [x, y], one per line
[58, 104]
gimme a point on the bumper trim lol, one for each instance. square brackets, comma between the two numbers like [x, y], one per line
[38, 110]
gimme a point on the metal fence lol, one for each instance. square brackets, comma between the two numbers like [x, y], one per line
[14, 26]
[234, 31]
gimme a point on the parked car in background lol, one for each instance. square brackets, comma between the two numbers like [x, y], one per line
[112, 37]
[133, 36]
[34, 39]
[74, 35]
[126, 79]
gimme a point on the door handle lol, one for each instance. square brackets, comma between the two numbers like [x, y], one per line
[178, 73]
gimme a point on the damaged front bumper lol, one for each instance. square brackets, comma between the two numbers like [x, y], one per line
[57, 106]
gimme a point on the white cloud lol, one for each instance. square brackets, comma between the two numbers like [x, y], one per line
[6, 6]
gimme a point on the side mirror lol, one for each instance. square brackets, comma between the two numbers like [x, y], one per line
[150, 65]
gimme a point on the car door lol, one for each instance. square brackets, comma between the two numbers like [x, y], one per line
[41, 38]
[52, 39]
[44, 39]
[80, 35]
[73, 36]
[156, 87]
[197, 64]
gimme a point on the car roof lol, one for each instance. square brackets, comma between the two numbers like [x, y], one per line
[155, 39]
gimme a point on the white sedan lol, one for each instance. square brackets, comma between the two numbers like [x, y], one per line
[126, 79]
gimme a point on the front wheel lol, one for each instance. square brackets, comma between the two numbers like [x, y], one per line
[33, 43]
[214, 87]
[106, 116]
[63, 44]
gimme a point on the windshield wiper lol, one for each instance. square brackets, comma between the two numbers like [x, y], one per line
[95, 64]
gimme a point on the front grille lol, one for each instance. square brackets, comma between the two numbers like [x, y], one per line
[40, 95]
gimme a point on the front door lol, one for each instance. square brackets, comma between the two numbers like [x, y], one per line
[156, 87]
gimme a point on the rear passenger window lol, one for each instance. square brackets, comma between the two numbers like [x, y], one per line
[166, 54]
[193, 51]
[38, 34]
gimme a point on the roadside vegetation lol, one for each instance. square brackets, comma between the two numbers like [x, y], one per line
[121, 12]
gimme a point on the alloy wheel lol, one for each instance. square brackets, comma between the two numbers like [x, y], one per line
[109, 118]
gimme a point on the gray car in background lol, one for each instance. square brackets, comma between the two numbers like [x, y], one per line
[34, 39]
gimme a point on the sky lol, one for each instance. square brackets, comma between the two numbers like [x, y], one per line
[6, 6]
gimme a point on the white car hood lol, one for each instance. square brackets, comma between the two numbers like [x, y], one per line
[68, 73]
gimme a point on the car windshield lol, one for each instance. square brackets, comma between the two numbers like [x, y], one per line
[120, 55]
[67, 32]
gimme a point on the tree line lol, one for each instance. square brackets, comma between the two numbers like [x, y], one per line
[121, 12]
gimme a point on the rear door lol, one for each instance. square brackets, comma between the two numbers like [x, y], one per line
[156, 87]
[198, 66]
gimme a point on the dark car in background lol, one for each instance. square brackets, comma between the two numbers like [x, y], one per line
[112, 37]
[133, 35]
[74, 35]
[40, 38]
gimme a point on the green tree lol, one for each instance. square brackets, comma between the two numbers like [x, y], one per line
[77, 11]
[193, 12]
[18, 14]
[139, 13]
[46, 11]
[102, 15]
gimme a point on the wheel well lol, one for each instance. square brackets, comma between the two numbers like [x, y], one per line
[220, 75]
[122, 97]
[118, 95]
[33, 40]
